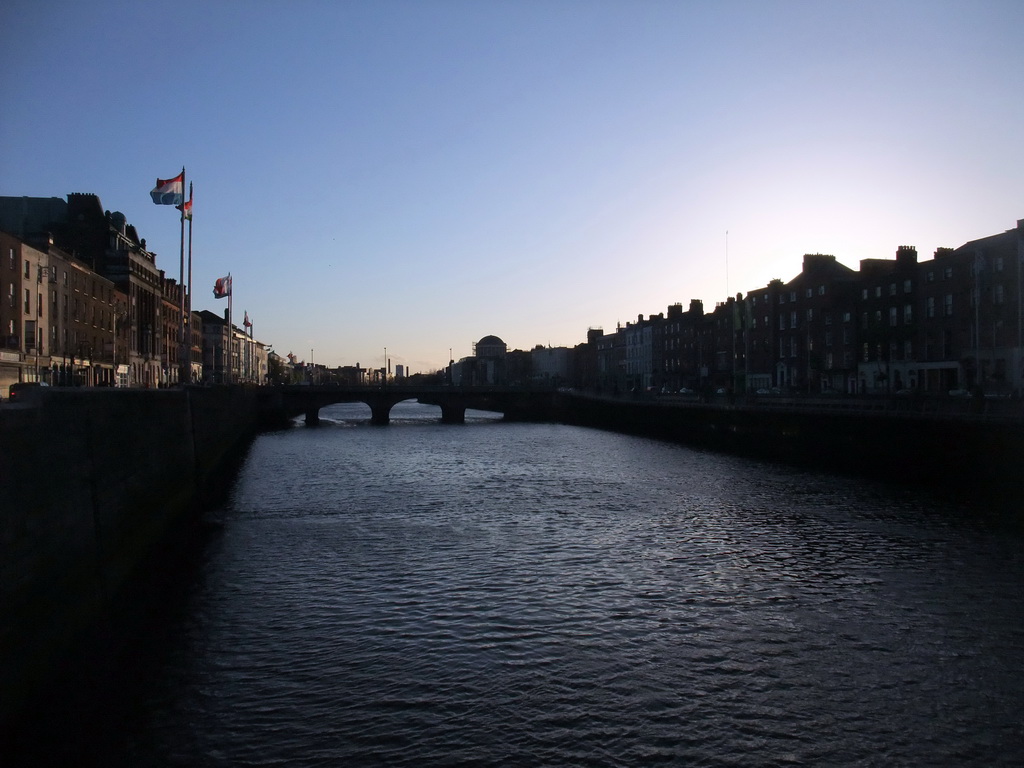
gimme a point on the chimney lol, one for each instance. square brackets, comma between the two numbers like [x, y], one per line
[906, 254]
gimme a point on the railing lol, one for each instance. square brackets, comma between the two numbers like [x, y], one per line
[911, 405]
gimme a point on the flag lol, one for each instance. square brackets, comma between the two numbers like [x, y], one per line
[222, 288]
[186, 208]
[247, 322]
[169, 191]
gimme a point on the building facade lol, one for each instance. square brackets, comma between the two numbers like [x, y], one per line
[59, 318]
[954, 323]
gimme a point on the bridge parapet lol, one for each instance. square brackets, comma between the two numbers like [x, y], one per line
[516, 403]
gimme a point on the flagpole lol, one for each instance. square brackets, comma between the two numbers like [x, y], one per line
[250, 356]
[181, 283]
[188, 344]
[231, 328]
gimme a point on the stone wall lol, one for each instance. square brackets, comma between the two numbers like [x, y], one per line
[968, 451]
[92, 484]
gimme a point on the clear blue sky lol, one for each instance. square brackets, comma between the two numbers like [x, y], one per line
[417, 175]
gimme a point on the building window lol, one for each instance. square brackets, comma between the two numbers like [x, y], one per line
[908, 314]
[28, 301]
[930, 276]
[892, 316]
[892, 289]
[828, 318]
[821, 290]
[864, 294]
[930, 307]
[782, 322]
[947, 305]
[846, 317]
[792, 347]
[14, 262]
[792, 295]
[997, 294]
[999, 263]
[907, 285]
[908, 350]
[28, 270]
[865, 352]
[828, 338]
[809, 293]
[810, 315]
[947, 273]
[878, 291]
[792, 319]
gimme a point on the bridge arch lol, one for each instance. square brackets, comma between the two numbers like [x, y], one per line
[515, 403]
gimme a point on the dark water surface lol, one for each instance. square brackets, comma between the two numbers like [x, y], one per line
[518, 594]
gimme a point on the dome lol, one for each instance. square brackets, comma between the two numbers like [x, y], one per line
[491, 346]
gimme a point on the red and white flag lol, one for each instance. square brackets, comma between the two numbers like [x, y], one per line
[186, 207]
[222, 288]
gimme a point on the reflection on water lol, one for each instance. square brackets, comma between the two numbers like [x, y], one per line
[517, 594]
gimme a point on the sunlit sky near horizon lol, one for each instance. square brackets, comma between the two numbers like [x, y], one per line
[417, 175]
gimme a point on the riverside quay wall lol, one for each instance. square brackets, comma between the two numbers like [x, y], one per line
[94, 483]
[968, 443]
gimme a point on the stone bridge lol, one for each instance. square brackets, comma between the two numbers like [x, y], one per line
[516, 403]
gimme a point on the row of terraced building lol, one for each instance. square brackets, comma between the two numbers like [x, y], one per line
[84, 303]
[950, 323]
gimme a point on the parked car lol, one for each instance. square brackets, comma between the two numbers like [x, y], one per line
[18, 389]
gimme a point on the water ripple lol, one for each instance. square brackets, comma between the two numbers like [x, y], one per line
[496, 594]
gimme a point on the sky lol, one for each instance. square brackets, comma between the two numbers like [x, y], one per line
[414, 176]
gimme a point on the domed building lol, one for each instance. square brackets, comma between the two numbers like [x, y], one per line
[486, 366]
[490, 347]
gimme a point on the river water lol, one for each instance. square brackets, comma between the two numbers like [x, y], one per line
[538, 595]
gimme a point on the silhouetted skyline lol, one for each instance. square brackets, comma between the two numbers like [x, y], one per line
[418, 175]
